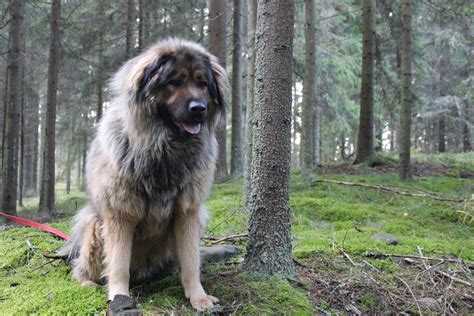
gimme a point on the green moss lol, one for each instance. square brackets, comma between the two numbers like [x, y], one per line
[368, 301]
[266, 295]
[325, 217]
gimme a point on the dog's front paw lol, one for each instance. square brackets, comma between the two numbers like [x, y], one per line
[202, 303]
[123, 305]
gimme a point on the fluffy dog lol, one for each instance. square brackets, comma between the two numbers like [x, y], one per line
[149, 169]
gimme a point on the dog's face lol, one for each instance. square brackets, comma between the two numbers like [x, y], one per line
[182, 87]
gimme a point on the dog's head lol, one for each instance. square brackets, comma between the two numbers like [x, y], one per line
[175, 81]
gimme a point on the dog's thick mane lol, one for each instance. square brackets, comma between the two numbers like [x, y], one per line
[147, 148]
[159, 164]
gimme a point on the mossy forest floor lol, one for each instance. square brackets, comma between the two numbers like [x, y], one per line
[341, 268]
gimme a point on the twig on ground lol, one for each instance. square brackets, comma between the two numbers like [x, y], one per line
[341, 249]
[412, 294]
[391, 190]
[427, 266]
[231, 237]
[231, 213]
[42, 265]
[371, 266]
[348, 257]
[453, 278]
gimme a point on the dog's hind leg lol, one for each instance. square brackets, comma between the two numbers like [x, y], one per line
[88, 266]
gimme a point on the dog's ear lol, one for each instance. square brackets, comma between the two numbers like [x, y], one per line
[218, 88]
[153, 74]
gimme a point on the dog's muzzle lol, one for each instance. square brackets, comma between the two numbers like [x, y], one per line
[197, 112]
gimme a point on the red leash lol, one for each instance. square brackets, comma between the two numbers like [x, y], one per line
[27, 222]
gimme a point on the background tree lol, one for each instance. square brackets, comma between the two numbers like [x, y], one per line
[309, 94]
[12, 115]
[269, 244]
[236, 154]
[251, 24]
[217, 46]
[365, 140]
[406, 93]
[47, 193]
[129, 38]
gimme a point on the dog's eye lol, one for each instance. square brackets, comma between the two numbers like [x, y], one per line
[176, 83]
[202, 84]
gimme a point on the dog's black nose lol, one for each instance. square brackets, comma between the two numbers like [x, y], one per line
[197, 107]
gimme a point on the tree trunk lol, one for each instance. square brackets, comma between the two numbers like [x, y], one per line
[84, 161]
[317, 134]
[21, 174]
[46, 206]
[141, 26]
[12, 128]
[309, 94]
[294, 114]
[467, 147]
[100, 68]
[406, 92]
[30, 130]
[70, 144]
[442, 134]
[365, 142]
[217, 47]
[252, 23]
[129, 40]
[269, 244]
[4, 117]
[78, 170]
[236, 152]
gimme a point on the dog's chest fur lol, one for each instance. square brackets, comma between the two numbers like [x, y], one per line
[160, 173]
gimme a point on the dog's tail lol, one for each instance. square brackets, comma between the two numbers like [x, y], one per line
[81, 222]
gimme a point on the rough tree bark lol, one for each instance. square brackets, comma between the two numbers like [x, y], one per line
[269, 244]
[251, 25]
[294, 114]
[406, 92]
[309, 94]
[365, 141]
[46, 205]
[217, 46]
[236, 150]
[12, 128]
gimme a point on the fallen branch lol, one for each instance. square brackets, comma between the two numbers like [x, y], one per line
[469, 264]
[391, 190]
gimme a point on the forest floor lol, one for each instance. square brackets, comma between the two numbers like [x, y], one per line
[346, 263]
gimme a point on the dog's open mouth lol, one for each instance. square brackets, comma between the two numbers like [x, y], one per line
[191, 128]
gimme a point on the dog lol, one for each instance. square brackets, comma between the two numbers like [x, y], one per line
[149, 169]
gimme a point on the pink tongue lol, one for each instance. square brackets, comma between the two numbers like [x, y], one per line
[192, 128]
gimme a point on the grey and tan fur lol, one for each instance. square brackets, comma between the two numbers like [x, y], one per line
[149, 169]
